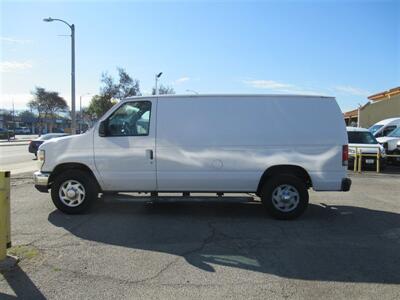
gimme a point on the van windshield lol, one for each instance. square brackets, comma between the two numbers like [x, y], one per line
[361, 137]
[395, 133]
[375, 128]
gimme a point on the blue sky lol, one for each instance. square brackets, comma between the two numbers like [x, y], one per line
[348, 49]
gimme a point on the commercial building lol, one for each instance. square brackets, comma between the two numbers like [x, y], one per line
[381, 106]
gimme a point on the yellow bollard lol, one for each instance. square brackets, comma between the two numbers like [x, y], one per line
[355, 161]
[378, 158]
[5, 234]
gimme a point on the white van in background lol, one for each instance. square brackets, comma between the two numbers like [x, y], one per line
[275, 146]
[384, 127]
[391, 143]
[362, 141]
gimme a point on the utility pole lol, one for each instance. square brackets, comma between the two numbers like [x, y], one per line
[13, 115]
[80, 114]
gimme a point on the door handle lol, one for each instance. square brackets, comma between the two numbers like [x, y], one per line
[150, 154]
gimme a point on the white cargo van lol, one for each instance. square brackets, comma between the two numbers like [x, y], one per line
[384, 127]
[275, 146]
[391, 143]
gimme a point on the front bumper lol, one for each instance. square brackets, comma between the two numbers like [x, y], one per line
[32, 149]
[346, 184]
[41, 181]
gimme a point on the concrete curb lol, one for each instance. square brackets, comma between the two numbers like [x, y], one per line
[372, 174]
[14, 144]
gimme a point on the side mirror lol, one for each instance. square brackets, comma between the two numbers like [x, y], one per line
[103, 128]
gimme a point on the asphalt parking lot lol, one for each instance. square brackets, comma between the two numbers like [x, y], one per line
[347, 245]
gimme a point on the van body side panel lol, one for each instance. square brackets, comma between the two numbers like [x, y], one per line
[226, 144]
[326, 181]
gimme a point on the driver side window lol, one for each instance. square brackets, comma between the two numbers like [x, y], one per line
[131, 119]
[388, 130]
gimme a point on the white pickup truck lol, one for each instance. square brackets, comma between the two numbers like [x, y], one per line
[275, 146]
[361, 140]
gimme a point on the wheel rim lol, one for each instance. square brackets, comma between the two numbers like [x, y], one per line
[285, 197]
[72, 193]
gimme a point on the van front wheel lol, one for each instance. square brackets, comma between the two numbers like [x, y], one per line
[73, 191]
[285, 196]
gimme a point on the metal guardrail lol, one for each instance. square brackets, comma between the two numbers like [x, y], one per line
[358, 155]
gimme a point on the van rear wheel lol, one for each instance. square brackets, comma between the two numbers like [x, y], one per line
[285, 196]
[73, 191]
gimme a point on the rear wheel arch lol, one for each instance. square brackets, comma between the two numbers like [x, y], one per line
[61, 168]
[292, 170]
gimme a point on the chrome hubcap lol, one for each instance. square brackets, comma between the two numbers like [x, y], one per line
[285, 198]
[72, 193]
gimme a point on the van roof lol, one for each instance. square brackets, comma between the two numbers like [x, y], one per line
[357, 129]
[387, 121]
[227, 95]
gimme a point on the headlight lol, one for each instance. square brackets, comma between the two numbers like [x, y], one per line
[352, 151]
[41, 157]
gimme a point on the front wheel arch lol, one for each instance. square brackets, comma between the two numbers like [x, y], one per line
[61, 168]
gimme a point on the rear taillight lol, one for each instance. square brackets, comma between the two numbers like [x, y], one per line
[345, 155]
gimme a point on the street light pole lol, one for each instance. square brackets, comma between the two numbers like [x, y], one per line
[192, 91]
[73, 112]
[156, 85]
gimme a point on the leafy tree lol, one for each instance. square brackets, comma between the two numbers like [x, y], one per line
[7, 115]
[99, 105]
[125, 87]
[26, 115]
[46, 104]
[163, 90]
[112, 90]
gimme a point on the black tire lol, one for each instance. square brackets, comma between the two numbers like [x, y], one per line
[82, 177]
[395, 161]
[285, 179]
